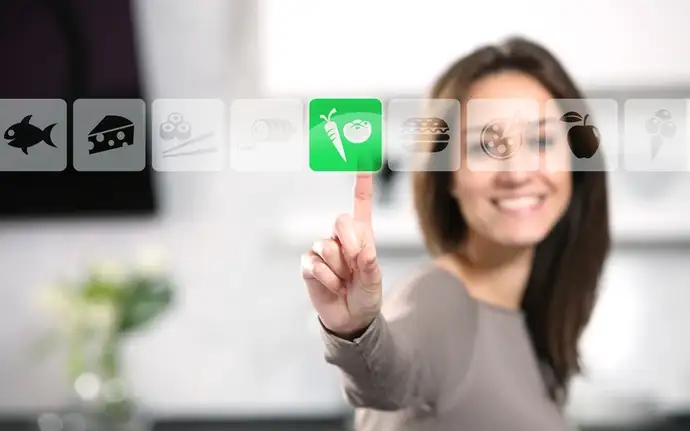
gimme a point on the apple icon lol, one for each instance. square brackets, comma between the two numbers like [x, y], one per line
[583, 139]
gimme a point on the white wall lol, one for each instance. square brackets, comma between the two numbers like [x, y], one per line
[239, 342]
[393, 46]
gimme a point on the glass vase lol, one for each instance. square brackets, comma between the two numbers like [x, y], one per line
[106, 402]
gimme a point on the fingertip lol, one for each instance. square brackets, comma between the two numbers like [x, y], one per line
[343, 221]
[318, 248]
[307, 266]
[363, 173]
[305, 261]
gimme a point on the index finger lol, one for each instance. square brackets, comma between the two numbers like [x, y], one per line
[364, 191]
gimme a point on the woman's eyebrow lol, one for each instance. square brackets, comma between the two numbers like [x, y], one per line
[541, 122]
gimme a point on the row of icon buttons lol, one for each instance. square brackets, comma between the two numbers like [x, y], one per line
[343, 134]
[110, 135]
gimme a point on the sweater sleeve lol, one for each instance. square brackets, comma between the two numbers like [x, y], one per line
[395, 363]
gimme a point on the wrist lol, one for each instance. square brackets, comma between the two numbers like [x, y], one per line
[349, 332]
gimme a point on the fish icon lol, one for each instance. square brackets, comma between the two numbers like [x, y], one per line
[24, 135]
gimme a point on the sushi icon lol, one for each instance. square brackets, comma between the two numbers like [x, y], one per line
[272, 130]
[179, 130]
[110, 133]
[175, 128]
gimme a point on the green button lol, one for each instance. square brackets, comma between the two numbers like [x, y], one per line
[345, 135]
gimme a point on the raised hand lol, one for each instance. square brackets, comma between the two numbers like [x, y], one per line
[341, 272]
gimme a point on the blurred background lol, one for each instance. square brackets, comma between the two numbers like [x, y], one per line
[237, 346]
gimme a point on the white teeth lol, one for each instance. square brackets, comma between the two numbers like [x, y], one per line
[518, 203]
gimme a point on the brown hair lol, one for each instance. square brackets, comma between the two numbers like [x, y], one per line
[561, 290]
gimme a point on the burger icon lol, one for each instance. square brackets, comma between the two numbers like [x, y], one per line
[430, 134]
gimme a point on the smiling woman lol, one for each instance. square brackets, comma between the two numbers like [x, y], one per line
[560, 216]
[485, 338]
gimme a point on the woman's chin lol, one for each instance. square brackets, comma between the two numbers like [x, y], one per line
[518, 239]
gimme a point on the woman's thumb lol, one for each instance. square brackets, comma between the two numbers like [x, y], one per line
[368, 268]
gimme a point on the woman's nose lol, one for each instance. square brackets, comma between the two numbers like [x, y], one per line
[514, 177]
[518, 168]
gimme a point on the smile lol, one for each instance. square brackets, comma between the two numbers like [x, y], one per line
[519, 205]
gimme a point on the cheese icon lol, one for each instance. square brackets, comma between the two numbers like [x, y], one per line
[110, 133]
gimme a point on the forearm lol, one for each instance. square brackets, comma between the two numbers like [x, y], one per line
[378, 371]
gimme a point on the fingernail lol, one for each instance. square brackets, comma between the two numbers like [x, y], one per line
[318, 248]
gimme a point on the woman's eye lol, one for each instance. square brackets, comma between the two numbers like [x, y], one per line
[540, 143]
[475, 150]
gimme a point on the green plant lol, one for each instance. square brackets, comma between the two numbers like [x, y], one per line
[93, 317]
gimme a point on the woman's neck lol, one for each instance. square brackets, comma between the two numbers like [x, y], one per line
[492, 273]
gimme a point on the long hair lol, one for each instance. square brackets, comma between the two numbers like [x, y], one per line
[568, 263]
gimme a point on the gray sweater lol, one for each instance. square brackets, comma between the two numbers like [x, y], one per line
[436, 359]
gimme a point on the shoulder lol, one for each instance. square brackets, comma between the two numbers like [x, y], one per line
[429, 291]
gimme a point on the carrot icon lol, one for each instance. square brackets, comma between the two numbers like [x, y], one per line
[334, 134]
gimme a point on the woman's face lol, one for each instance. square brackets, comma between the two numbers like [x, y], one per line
[512, 201]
